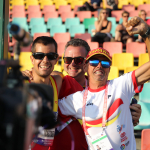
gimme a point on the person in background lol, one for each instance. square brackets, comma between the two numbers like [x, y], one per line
[121, 35]
[102, 28]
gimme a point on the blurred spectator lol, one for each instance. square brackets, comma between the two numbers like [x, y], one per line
[91, 5]
[103, 28]
[142, 14]
[111, 5]
[121, 35]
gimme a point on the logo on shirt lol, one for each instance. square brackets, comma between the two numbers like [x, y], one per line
[122, 147]
[89, 104]
[119, 128]
[123, 137]
[109, 96]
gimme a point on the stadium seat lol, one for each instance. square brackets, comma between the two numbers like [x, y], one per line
[145, 144]
[143, 58]
[93, 45]
[83, 14]
[129, 69]
[123, 60]
[18, 8]
[33, 8]
[53, 21]
[128, 8]
[62, 37]
[57, 68]
[89, 21]
[90, 28]
[122, 2]
[38, 29]
[145, 7]
[24, 60]
[16, 14]
[117, 14]
[15, 2]
[72, 21]
[26, 49]
[134, 13]
[135, 48]
[59, 3]
[40, 34]
[85, 36]
[136, 3]
[57, 29]
[75, 2]
[30, 2]
[113, 27]
[48, 8]
[148, 13]
[76, 8]
[113, 47]
[65, 15]
[94, 14]
[64, 8]
[76, 29]
[144, 122]
[45, 3]
[34, 15]
[64, 73]
[114, 73]
[144, 96]
[36, 21]
[61, 48]
[48, 15]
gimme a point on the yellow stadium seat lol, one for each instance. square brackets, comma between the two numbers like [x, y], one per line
[122, 2]
[129, 69]
[15, 2]
[84, 1]
[57, 68]
[123, 60]
[31, 2]
[60, 2]
[45, 2]
[24, 60]
[143, 58]
[147, 1]
[136, 3]
[114, 73]
[76, 2]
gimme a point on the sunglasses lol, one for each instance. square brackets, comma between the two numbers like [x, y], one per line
[104, 12]
[104, 63]
[40, 56]
[77, 60]
[125, 16]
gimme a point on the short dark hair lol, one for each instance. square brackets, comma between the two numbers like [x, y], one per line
[45, 40]
[125, 12]
[78, 42]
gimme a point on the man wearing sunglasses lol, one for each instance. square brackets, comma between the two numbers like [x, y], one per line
[104, 105]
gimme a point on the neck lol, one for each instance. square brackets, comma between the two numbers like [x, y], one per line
[96, 84]
[81, 80]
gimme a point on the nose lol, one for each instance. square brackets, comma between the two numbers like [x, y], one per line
[45, 59]
[73, 63]
[99, 65]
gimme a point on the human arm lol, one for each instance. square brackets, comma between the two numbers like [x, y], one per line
[28, 73]
[137, 26]
[98, 25]
[108, 29]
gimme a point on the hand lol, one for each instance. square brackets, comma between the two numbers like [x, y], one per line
[136, 115]
[28, 73]
[136, 26]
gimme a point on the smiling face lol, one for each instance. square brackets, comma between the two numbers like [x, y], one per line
[72, 69]
[43, 68]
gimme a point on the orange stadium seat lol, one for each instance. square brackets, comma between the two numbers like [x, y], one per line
[136, 48]
[34, 15]
[83, 14]
[146, 7]
[128, 8]
[145, 143]
[113, 47]
[17, 15]
[48, 15]
[94, 14]
[40, 34]
[33, 8]
[65, 15]
[61, 48]
[93, 45]
[148, 13]
[18, 8]
[134, 13]
[62, 37]
[76, 8]
[85, 36]
[117, 14]
[64, 8]
[48, 8]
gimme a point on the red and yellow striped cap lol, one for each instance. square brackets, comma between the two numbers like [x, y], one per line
[98, 51]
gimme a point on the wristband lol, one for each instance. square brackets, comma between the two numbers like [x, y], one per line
[146, 34]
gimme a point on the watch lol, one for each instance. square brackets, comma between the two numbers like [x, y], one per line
[146, 34]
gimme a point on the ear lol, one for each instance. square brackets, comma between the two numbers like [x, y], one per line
[32, 59]
[85, 67]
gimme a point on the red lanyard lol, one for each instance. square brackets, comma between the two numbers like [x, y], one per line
[104, 109]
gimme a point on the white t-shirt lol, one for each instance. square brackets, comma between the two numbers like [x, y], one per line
[119, 126]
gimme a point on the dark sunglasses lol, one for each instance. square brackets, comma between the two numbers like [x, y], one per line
[40, 56]
[104, 12]
[104, 63]
[77, 60]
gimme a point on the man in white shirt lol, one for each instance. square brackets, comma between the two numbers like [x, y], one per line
[106, 104]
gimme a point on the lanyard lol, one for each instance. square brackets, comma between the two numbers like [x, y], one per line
[104, 109]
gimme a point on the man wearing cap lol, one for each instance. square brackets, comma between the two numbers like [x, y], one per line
[104, 105]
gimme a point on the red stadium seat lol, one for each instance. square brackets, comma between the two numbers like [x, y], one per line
[33, 8]
[34, 15]
[134, 13]
[128, 8]
[62, 37]
[145, 143]
[40, 34]
[135, 48]
[48, 8]
[93, 45]
[117, 14]
[16, 14]
[18, 8]
[145, 7]
[76, 8]
[85, 36]
[95, 13]
[65, 15]
[113, 47]
[64, 8]
[61, 48]
[83, 14]
[48, 15]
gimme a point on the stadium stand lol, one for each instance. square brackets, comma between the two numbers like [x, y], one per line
[72, 21]
[61, 47]
[143, 58]
[64, 8]
[57, 29]
[65, 15]
[40, 34]
[83, 14]
[53, 21]
[117, 14]
[36, 21]
[45, 3]
[62, 37]
[145, 144]
[128, 8]
[114, 73]
[48, 15]
[85, 36]
[129, 69]
[38, 29]
[48, 8]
